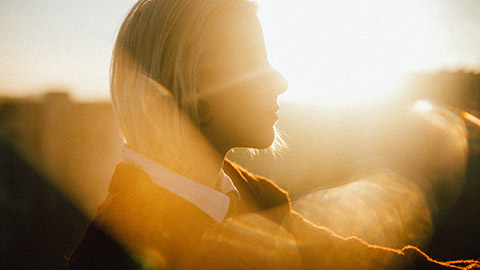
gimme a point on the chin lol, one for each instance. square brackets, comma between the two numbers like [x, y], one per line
[264, 140]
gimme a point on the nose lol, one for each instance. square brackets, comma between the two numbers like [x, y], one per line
[282, 82]
[278, 84]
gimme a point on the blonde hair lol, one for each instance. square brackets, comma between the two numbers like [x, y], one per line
[161, 40]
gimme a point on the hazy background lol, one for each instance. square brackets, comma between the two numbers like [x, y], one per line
[332, 49]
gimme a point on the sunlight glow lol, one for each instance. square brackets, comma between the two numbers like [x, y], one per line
[470, 117]
[422, 106]
[347, 49]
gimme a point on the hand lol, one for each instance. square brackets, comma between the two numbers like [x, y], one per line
[421, 261]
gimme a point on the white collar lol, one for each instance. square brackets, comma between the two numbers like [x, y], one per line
[210, 201]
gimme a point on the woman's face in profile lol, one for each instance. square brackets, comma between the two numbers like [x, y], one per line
[238, 84]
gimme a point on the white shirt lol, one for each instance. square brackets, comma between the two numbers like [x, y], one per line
[212, 202]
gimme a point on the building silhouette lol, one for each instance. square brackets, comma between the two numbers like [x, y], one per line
[74, 144]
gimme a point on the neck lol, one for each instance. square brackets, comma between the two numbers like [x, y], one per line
[176, 142]
[188, 153]
[162, 132]
[195, 159]
[192, 157]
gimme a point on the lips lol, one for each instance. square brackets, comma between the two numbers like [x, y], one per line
[275, 109]
[275, 113]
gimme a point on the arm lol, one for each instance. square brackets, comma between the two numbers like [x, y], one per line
[320, 248]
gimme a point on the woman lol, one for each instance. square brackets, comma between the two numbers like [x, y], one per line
[190, 80]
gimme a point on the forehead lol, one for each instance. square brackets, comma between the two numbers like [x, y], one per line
[232, 37]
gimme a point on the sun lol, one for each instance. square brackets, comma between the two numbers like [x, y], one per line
[346, 49]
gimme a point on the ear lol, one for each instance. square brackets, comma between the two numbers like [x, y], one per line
[204, 115]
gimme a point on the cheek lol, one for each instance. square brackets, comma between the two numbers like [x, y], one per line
[245, 106]
[224, 111]
[239, 120]
[232, 113]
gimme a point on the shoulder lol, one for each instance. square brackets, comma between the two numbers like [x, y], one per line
[140, 220]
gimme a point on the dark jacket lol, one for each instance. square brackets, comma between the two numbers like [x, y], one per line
[142, 226]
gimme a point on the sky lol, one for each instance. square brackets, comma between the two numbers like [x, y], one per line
[327, 49]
